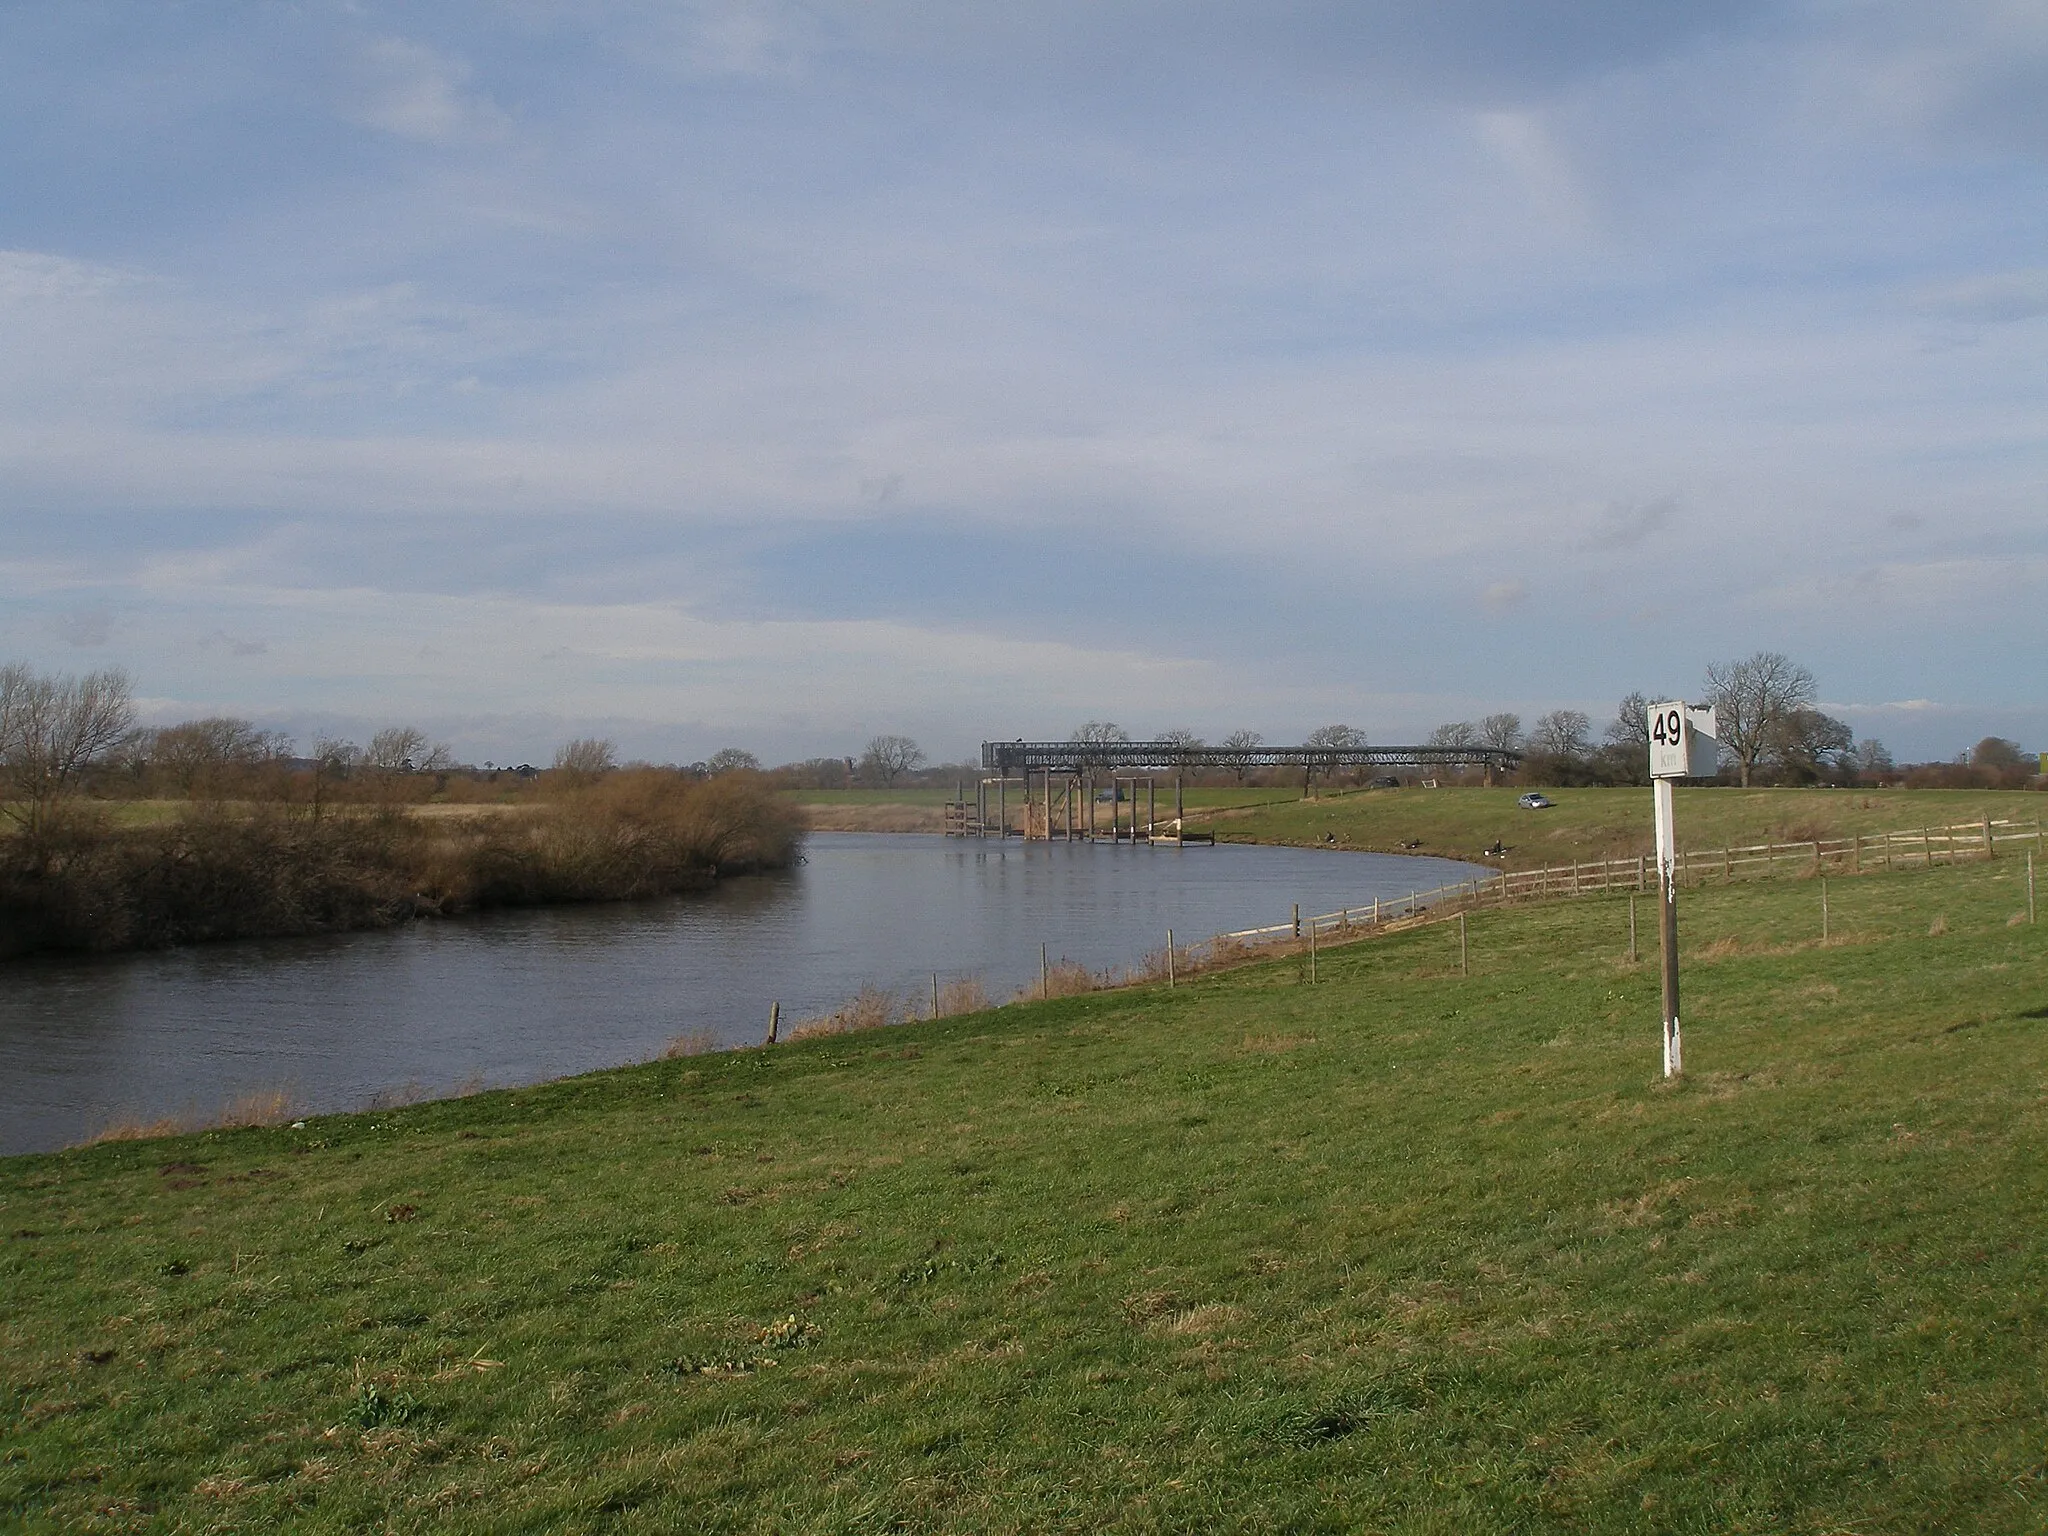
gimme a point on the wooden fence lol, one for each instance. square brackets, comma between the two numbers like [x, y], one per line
[1922, 847]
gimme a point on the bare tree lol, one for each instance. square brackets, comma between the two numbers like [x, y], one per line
[1562, 734]
[887, 757]
[52, 731]
[1242, 746]
[406, 749]
[1630, 727]
[1751, 699]
[1808, 746]
[1454, 736]
[1332, 742]
[202, 757]
[1502, 732]
[732, 760]
[1997, 752]
[587, 759]
[1180, 744]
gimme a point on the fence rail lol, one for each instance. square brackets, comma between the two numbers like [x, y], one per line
[1922, 847]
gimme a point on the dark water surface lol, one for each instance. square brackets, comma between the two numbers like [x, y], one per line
[517, 997]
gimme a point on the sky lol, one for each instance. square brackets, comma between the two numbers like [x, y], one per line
[781, 374]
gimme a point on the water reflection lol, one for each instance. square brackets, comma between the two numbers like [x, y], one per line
[520, 996]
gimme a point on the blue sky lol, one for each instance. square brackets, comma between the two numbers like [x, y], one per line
[780, 374]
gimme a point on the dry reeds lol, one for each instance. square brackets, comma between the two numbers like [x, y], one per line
[692, 1042]
[963, 994]
[258, 1107]
[869, 1008]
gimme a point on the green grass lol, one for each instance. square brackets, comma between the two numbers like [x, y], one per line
[1403, 1251]
[1607, 823]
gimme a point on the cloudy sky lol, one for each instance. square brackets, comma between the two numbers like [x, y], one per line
[781, 373]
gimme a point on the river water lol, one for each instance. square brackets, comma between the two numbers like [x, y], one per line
[516, 997]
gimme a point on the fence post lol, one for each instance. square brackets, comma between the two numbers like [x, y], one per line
[774, 1021]
[1990, 852]
[1856, 856]
[935, 994]
[1044, 974]
[1169, 957]
[1297, 919]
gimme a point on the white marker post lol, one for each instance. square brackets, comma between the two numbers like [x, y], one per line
[1682, 746]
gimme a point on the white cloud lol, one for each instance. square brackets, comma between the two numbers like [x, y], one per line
[406, 88]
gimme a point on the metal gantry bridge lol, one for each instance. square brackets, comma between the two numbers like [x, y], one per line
[1058, 781]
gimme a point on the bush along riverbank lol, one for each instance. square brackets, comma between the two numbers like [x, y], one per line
[79, 884]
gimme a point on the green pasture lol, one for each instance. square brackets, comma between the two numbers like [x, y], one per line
[1405, 1251]
[1605, 823]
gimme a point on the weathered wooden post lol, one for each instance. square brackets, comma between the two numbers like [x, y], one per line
[774, 1021]
[1169, 958]
[935, 994]
[1297, 919]
[1044, 974]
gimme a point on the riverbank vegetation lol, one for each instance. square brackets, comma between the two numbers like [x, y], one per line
[79, 881]
[1406, 1250]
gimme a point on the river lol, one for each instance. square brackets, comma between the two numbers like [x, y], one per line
[504, 998]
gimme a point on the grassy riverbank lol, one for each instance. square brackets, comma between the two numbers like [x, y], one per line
[1601, 823]
[105, 878]
[1407, 1250]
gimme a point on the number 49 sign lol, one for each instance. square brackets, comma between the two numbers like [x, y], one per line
[1683, 742]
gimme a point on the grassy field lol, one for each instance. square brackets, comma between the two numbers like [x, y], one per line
[1403, 1251]
[1604, 823]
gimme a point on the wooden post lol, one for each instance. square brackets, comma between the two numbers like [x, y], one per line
[1169, 957]
[1990, 849]
[1575, 877]
[1375, 911]
[1816, 856]
[774, 1021]
[1044, 974]
[1727, 865]
[1642, 869]
[1297, 919]
[1464, 954]
[1856, 855]
[935, 994]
